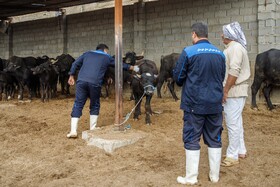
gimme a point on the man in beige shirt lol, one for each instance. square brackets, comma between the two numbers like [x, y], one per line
[235, 90]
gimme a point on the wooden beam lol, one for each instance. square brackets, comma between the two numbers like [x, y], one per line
[118, 66]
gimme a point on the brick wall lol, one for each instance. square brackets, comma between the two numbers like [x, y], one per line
[269, 22]
[4, 49]
[86, 30]
[169, 21]
[157, 28]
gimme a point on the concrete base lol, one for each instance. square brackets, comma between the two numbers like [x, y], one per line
[109, 140]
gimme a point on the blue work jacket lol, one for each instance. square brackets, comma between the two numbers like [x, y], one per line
[93, 65]
[200, 71]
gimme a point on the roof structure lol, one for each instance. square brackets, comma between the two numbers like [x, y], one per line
[9, 8]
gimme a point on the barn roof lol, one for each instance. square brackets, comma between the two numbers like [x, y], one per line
[9, 8]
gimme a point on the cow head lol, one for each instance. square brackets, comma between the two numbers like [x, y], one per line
[148, 81]
[37, 70]
[45, 67]
[41, 60]
[11, 68]
[131, 57]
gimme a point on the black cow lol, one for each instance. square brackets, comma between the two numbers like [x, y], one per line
[144, 85]
[131, 58]
[167, 64]
[267, 71]
[48, 76]
[41, 60]
[20, 69]
[64, 63]
[109, 79]
[3, 64]
[7, 85]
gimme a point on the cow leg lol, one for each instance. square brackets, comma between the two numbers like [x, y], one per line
[170, 85]
[131, 97]
[67, 89]
[42, 92]
[254, 88]
[138, 107]
[4, 98]
[21, 88]
[48, 93]
[107, 87]
[159, 85]
[148, 109]
[1, 91]
[266, 92]
[62, 84]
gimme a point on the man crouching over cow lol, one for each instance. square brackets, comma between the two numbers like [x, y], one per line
[92, 65]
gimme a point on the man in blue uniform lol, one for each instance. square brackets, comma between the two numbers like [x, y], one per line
[200, 71]
[92, 65]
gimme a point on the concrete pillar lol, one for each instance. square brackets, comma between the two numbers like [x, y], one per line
[64, 31]
[139, 27]
[269, 25]
[269, 35]
[10, 40]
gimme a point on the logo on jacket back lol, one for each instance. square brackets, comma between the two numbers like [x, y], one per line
[208, 50]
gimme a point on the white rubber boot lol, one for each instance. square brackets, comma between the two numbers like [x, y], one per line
[93, 121]
[192, 162]
[214, 155]
[74, 127]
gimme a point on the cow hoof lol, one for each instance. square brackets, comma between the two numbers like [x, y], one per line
[255, 108]
[135, 119]
[148, 124]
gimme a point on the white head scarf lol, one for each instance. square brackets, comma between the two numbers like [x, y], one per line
[233, 31]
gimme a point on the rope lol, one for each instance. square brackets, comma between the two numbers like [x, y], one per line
[129, 114]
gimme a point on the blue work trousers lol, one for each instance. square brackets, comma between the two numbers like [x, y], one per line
[86, 90]
[210, 125]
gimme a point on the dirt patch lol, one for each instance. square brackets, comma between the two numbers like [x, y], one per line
[36, 152]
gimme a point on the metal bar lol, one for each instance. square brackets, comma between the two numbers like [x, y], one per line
[118, 61]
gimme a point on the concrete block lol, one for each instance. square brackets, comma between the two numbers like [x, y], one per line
[220, 13]
[266, 31]
[225, 6]
[109, 140]
[239, 19]
[233, 12]
[265, 15]
[223, 21]
[213, 21]
[209, 14]
[251, 3]
[239, 4]
[176, 30]
[246, 11]
[270, 23]
[250, 18]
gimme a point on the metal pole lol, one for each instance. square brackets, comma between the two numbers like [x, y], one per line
[118, 66]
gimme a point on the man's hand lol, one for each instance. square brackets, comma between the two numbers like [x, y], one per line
[136, 69]
[230, 82]
[71, 80]
[225, 96]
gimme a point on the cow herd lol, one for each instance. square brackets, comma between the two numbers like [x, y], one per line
[40, 77]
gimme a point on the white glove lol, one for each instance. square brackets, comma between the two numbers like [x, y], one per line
[136, 69]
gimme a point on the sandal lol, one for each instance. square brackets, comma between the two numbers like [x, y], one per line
[227, 162]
